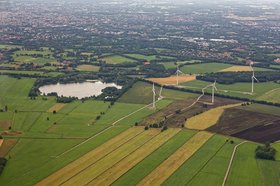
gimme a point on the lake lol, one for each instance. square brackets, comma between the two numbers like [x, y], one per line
[79, 90]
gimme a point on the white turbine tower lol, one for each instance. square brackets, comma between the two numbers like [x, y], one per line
[178, 71]
[213, 91]
[160, 94]
[154, 96]
[253, 78]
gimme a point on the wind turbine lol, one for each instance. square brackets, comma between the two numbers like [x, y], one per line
[213, 91]
[160, 93]
[154, 96]
[253, 78]
[178, 71]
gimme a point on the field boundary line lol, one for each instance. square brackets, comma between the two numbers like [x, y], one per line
[30, 137]
[88, 139]
[146, 157]
[164, 170]
[271, 91]
[206, 161]
[123, 158]
[98, 159]
[34, 122]
[113, 124]
[106, 156]
[230, 162]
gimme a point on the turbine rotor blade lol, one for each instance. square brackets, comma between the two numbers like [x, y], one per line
[215, 88]
[256, 79]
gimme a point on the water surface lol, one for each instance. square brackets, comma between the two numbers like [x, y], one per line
[79, 90]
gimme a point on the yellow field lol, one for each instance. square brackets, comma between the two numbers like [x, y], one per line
[93, 170]
[112, 174]
[237, 69]
[172, 79]
[170, 165]
[93, 156]
[208, 118]
[56, 107]
[89, 68]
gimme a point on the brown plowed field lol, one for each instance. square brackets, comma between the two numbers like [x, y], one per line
[248, 125]
[176, 113]
[261, 133]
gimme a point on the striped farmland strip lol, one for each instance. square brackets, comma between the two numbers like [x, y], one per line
[91, 157]
[169, 166]
[94, 170]
[112, 174]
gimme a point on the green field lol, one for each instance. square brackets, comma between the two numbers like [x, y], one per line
[71, 125]
[204, 68]
[210, 67]
[25, 56]
[270, 171]
[275, 55]
[271, 96]
[206, 167]
[4, 46]
[41, 163]
[117, 60]
[142, 169]
[236, 89]
[45, 142]
[148, 58]
[88, 68]
[169, 65]
[36, 73]
[245, 170]
[266, 109]
[275, 66]
[141, 93]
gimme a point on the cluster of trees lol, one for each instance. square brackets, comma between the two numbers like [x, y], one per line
[265, 152]
[155, 70]
[233, 77]
[63, 99]
[163, 128]
[3, 162]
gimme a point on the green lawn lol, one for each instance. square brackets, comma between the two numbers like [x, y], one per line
[117, 59]
[142, 169]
